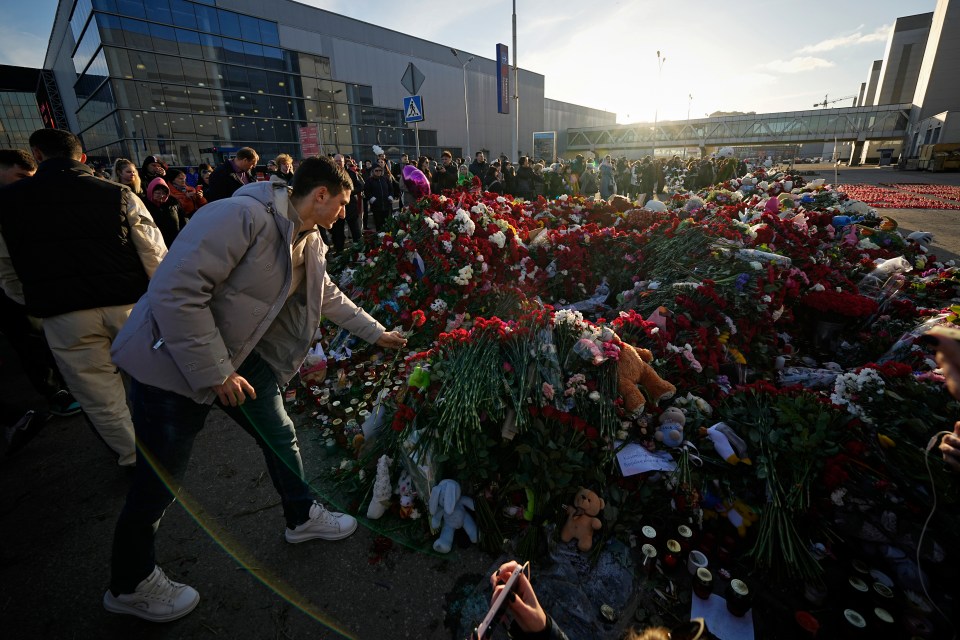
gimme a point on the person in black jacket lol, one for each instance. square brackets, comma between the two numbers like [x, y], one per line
[445, 176]
[480, 167]
[81, 272]
[166, 210]
[378, 191]
[494, 179]
[231, 175]
[354, 210]
[153, 167]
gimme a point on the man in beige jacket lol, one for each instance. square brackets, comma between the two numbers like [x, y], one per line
[228, 318]
[78, 251]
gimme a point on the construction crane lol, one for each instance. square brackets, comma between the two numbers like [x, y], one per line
[829, 102]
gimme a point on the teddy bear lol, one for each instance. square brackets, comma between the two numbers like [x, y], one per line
[381, 489]
[670, 431]
[582, 518]
[633, 369]
[449, 507]
[741, 516]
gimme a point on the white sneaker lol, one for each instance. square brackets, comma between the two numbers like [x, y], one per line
[323, 524]
[157, 599]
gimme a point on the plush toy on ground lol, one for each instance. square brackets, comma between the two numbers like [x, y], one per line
[380, 501]
[407, 493]
[448, 506]
[670, 431]
[727, 443]
[632, 370]
[582, 520]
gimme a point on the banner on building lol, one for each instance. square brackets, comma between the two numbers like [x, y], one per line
[545, 146]
[309, 141]
[503, 79]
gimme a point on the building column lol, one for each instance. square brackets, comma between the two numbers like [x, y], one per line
[855, 153]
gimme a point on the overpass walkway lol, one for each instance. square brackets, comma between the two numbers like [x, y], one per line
[880, 122]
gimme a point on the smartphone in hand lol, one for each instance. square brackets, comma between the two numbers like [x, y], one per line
[485, 628]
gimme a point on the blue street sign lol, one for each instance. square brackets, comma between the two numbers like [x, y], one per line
[413, 109]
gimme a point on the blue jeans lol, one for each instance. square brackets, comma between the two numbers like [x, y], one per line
[166, 424]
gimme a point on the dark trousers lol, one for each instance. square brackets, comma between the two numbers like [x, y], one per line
[353, 219]
[166, 424]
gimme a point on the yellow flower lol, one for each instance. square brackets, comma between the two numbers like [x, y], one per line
[737, 356]
[886, 441]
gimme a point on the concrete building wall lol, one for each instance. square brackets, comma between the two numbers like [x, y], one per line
[376, 56]
[560, 116]
[873, 78]
[902, 59]
[938, 89]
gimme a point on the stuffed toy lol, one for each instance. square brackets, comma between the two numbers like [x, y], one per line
[632, 369]
[727, 443]
[449, 507]
[741, 516]
[670, 431]
[381, 490]
[407, 493]
[582, 519]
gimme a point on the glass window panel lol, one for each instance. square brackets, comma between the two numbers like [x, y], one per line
[235, 78]
[229, 23]
[265, 130]
[244, 129]
[281, 107]
[254, 53]
[78, 19]
[181, 125]
[207, 19]
[212, 46]
[205, 125]
[194, 72]
[86, 50]
[175, 98]
[258, 81]
[249, 28]
[269, 34]
[233, 51]
[159, 11]
[105, 5]
[214, 75]
[132, 8]
[183, 15]
[118, 62]
[164, 39]
[199, 100]
[150, 95]
[189, 42]
[273, 58]
[169, 69]
[111, 31]
[143, 65]
[125, 92]
[137, 34]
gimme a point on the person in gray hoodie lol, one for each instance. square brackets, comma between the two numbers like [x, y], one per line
[228, 318]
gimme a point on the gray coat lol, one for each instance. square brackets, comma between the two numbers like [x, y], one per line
[222, 292]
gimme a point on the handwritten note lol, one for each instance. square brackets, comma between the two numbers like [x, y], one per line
[635, 459]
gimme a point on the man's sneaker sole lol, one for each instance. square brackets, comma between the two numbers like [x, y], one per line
[295, 537]
[111, 604]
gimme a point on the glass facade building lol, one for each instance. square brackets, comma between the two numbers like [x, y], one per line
[192, 82]
[19, 117]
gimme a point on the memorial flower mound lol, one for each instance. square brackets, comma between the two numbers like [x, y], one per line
[525, 309]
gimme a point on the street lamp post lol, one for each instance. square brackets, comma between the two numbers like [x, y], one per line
[466, 105]
[656, 112]
[689, 102]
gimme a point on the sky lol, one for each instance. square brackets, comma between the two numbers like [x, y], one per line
[744, 56]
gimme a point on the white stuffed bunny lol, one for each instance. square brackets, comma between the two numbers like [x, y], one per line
[448, 506]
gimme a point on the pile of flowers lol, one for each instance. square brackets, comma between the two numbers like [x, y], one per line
[947, 192]
[526, 306]
[884, 198]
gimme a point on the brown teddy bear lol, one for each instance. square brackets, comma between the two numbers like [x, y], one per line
[582, 519]
[633, 370]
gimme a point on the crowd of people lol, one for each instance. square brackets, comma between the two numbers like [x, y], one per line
[205, 285]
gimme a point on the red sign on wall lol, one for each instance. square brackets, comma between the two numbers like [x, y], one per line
[309, 141]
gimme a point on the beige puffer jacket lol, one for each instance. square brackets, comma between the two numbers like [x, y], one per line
[222, 291]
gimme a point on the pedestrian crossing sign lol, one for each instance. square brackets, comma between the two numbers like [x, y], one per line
[413, 109]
